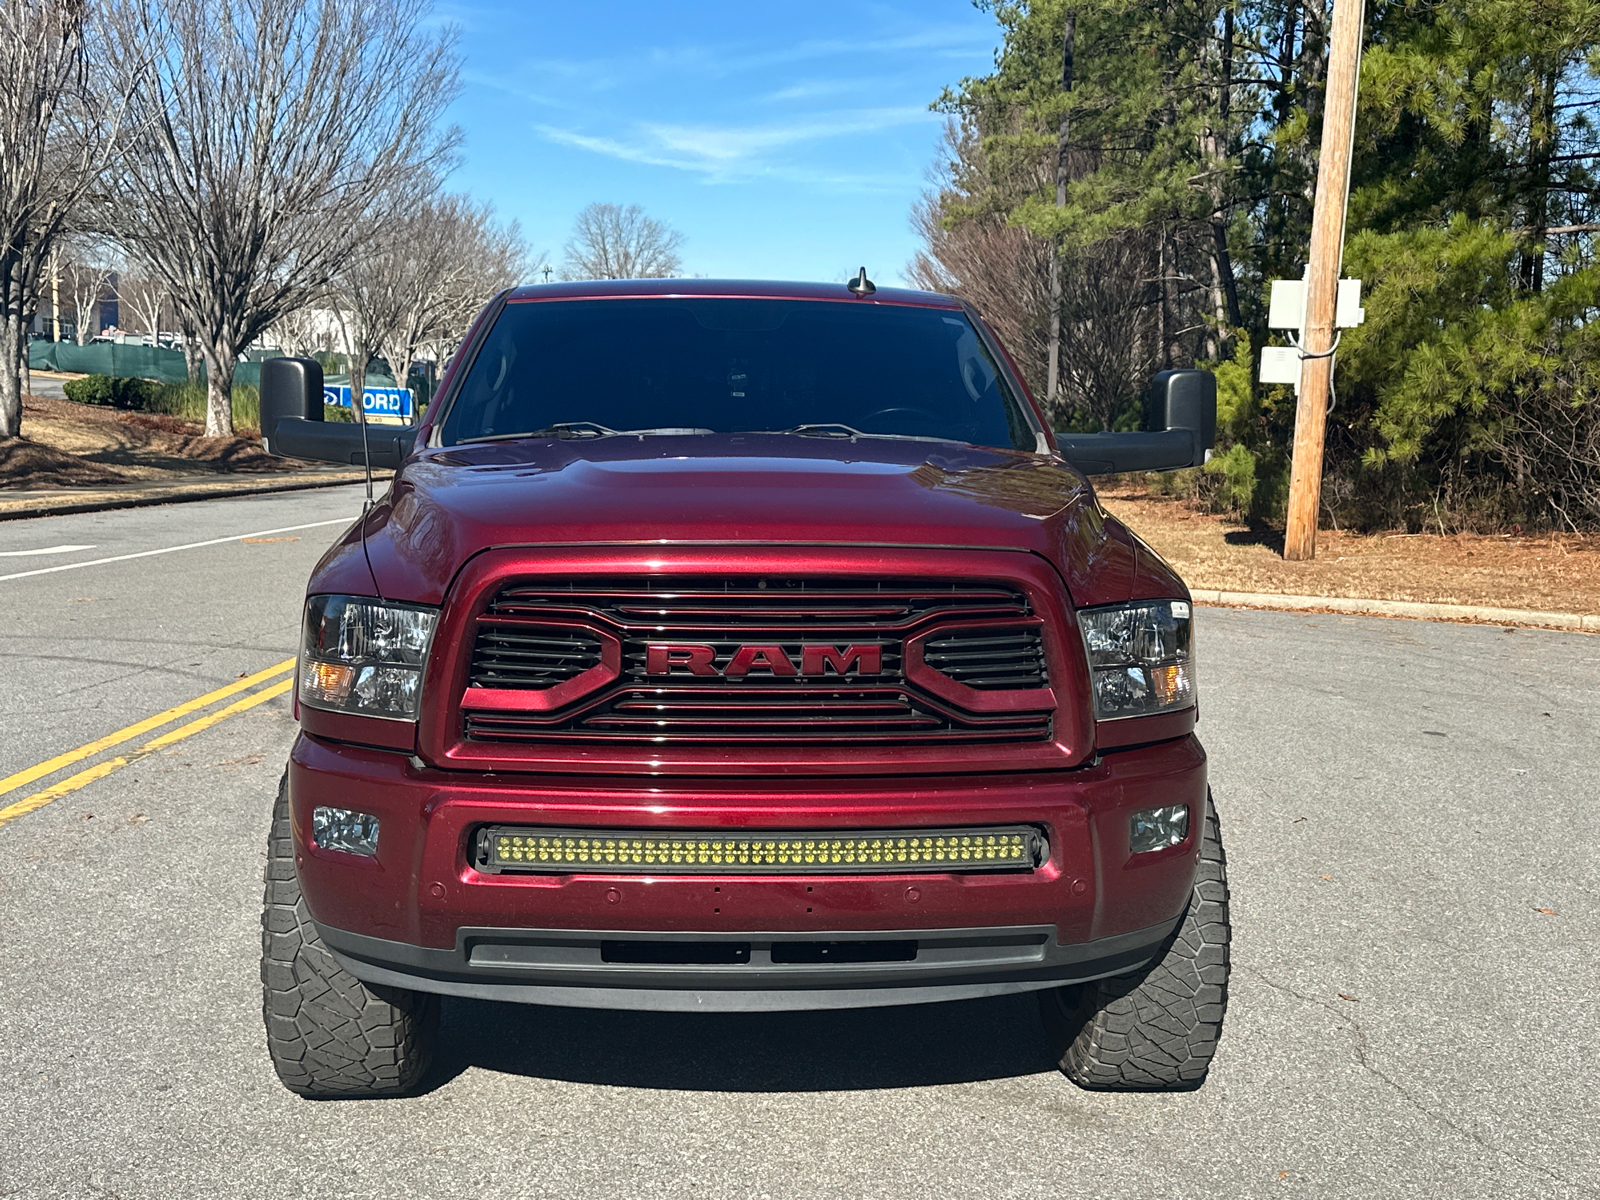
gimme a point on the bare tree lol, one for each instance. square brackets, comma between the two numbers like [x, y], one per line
[60, 116]
[371, 287]
[270, 126]
[85, 271]
[426, 275]
[374, 289]
[612, 242]
[478, 257]
[1003, 269]
[299, 332]
[146, 299]
[190, 345]
[1124, 310]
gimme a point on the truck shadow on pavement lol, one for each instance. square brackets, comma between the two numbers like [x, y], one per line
[845, 1050]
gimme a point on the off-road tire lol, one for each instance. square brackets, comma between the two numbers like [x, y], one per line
[1157, 1029]
[329, 1034]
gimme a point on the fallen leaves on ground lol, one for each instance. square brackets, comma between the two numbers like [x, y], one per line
[1551, 572]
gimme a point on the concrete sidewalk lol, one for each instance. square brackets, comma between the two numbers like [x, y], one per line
[48, 384]
[1355, 606]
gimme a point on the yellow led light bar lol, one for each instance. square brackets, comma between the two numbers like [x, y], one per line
[896, 852]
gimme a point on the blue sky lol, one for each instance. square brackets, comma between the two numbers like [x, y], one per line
[784, 140]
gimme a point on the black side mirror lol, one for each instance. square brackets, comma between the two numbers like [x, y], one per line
[1180, 416]
[1184, 400]
[290, 387]
[292, 425]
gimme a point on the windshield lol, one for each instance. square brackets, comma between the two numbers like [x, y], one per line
[588, 368]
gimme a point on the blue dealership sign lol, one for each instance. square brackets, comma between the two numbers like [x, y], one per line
[375, 401]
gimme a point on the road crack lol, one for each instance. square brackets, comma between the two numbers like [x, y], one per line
[1362, 1056]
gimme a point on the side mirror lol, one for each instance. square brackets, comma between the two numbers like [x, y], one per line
[290, 387]
[1184, 400]
[292, 424]
[1180, 413]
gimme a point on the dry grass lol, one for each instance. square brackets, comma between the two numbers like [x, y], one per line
[1551, 573]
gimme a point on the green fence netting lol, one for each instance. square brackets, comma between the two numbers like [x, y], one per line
[108, 358]
[153, 362]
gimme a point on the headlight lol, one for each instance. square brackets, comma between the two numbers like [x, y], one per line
[1141, 658]
[364, 656]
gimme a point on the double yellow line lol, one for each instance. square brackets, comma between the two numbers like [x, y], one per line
[100, 770]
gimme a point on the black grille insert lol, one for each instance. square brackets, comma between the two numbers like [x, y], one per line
[508, 656]
[989, 659]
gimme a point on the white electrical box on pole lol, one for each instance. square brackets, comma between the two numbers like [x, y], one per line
[1286, 309]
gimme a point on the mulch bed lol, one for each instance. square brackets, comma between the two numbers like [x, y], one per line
[1557, 572]
[79, 445]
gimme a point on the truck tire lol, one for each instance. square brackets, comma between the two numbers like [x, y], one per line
[329, 1034]
[1157, 1029]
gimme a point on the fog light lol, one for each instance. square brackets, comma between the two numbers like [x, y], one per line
[1158, 828]
[342, 829]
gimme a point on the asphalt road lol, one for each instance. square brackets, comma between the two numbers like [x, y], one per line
[1399, 802]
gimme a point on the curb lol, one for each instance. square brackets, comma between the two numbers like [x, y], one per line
[1401, 608]
[90, 504]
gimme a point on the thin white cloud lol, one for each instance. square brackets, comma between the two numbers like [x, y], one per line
[723, 145]
[718, 157]
[811, 90]
[612, 148]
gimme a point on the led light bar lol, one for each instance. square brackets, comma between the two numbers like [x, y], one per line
[893, 852]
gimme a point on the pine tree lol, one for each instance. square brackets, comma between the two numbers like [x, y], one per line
[1194, 134]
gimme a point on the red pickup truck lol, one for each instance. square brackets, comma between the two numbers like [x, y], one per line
[742, 646]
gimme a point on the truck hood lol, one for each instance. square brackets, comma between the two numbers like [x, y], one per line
[446, 505]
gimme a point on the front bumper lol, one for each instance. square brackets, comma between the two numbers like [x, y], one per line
[420, 915]
[570, 967]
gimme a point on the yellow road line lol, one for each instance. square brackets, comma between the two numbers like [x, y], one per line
[83, 778]
[222, 714]
[40, 799]
[49, 767]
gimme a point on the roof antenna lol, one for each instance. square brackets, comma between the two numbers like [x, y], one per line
[861, 285]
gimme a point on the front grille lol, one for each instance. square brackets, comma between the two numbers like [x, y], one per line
[704, 603]
[989, 659]
[534, 659]
[789, 715]
[534, 636]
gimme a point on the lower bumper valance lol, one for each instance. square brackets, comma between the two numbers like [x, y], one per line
[742, 972]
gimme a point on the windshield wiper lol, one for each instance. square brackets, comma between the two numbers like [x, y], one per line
[841, 430]
[561, 429]
[826, 429]
[565, 430]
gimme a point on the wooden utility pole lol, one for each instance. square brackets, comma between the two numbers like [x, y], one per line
[1053, 383]
[1322, 280]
